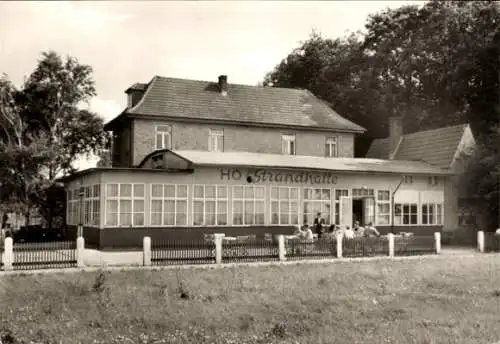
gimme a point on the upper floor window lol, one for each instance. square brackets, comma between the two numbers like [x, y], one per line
[408, 179]
[216, 140]
[288, 144]
[163, 137]
[433, 180]
[331, 149]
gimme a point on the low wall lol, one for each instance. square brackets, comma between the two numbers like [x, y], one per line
[131, 238]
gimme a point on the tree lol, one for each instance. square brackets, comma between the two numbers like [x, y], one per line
[436, 65]
[44, 131]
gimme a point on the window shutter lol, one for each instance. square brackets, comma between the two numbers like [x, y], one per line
[327, 150]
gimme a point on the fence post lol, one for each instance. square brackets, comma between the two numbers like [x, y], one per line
[80, 251]
[8, 258]
[340, 238]
[281, 247]
[146, 248]
[390, 237]
[218, 247]
[480, 241]
[437, 244]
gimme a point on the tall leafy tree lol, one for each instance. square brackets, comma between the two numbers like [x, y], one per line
[436, 64]
[44, 130]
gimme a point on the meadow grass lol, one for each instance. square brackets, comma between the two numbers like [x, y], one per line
[428, 300]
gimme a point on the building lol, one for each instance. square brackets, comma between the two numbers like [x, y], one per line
[447, 148]
[193, 157]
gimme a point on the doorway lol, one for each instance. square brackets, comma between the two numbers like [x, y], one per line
[357, 211]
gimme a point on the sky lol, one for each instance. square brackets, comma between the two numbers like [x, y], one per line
[132, 41]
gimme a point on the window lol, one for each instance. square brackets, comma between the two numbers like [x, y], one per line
[432, 214]
[317, 201]
[124, 205]
[210, 205]
[284, 206]
[405, 214]
[288, 144]
[408, 179]
[73, 215]
[339, 193]
[169, 205]
[216, 140]
[364, 192]
[92, 205]
[331, 149]
[433, 180]
[163, 137]
[383, 207]
[248, 205]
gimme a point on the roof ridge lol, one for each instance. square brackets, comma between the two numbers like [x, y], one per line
[463, 125]
[231, 83]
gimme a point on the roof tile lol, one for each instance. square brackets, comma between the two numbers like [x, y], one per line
[436, 146]
[243, 103]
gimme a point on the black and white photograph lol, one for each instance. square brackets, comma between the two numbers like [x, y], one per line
[250, 172]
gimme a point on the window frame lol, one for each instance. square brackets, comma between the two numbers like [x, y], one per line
[435, 215]
[279, 200]
[163, 133]
[163, 199]
[290, 142]
[380, 201]
[243, 201]
[215, 134]
[332, 141]
[321, 201]
[409, 214]
[336, 201]
[92, 217]
[119, 198]
[216, 199]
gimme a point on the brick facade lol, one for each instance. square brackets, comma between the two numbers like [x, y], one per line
[192, 136]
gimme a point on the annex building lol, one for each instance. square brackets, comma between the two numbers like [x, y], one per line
[195, 157]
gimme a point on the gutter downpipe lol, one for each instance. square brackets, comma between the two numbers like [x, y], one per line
[392, 204]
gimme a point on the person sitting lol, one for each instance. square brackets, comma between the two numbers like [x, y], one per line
[309, 236]
[358, 230]
[370, 231]
[349, 233]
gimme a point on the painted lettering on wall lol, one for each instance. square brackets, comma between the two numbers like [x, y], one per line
[263, 176]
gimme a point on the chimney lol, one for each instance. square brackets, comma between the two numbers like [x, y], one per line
[223, 84]
[395, 134]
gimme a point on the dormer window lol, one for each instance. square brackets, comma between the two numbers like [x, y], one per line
[288, 144]
[163, 137]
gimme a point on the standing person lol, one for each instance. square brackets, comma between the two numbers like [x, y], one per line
[358, 230]
[318, 224]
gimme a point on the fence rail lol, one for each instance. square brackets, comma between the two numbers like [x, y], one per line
[365, 247]
[252, 250]
[414, 245]
[303, 249]
[60, 254]
[182, 252]
[219, 249]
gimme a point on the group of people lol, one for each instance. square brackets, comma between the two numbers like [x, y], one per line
[305, 232]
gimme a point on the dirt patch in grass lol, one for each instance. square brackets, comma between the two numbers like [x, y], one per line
[414, 301]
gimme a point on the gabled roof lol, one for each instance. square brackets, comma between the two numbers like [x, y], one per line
[173, 98]
[279, 161]
[436, 147]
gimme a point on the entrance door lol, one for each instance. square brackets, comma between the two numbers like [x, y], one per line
[345, 211]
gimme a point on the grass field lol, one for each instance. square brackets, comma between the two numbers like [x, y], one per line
[428, 300]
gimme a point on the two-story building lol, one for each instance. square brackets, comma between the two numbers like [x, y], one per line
[193, 157]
